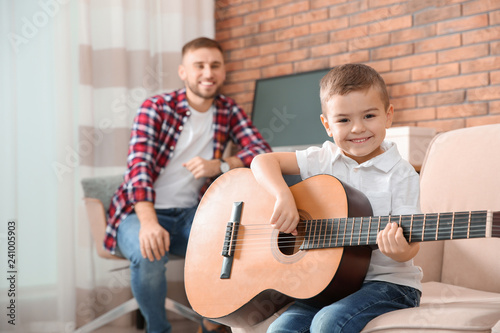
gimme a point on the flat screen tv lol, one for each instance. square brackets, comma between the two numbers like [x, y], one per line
[287, 109]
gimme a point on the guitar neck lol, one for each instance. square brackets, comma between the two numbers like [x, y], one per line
[355, 231]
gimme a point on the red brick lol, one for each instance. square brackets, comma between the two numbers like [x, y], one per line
[310, 65]
[349, 33]
[277, 70]
[382, 3]
[243, 97]
[480, 65]
[310, 16]
[292, 33]
[244, 53]
[463, 53]
[259, 39]
[482, 35]
[396, 77]
[495, 17]
[452, 97]
[275, 47]
[444, 125]
[392, 51]
[494, 107]
[495, 77]
[415, 33]
[390, 24]
[403, 103]
[438, 43]
[260, 61]
[483, 94]
[495, 47]
[276, 24]
[381, 66]
[368, 42]
[413, 61]
[234, 66]
[273, 3]
[437, 14]
[260, 16]
[463, 81]
[222, 35]
[350, 57]
[293, 8]
[325, 3]
[480, 121]
[232, 44]
[310, 40]
[242, 9]
[462, 111]
[462, 24]
[291, 56]
[233, 88]
[229, 23]
[415, 115]
[480, 6]
[432, 72]
[413, 88]
[350, 7]
[368, 16]
[328, 49]
[244, 30]
[329, 25]
[251, 74]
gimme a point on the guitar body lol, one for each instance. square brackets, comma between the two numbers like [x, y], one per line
[265, 274]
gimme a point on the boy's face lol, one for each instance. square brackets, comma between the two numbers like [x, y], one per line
[203, 72]
[357, 123]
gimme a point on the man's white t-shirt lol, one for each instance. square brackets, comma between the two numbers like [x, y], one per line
[391, 185]
[176, 187]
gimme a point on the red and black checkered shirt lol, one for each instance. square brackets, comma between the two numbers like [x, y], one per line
[155, 131]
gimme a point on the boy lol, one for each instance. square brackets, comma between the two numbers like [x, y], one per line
[355, 113]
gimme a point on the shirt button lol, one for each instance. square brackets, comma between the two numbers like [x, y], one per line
[181, 127]
[172, 147]
[188, 113]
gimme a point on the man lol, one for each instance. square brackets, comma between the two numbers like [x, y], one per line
[176, 147]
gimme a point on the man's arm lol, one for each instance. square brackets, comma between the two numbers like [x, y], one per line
[154, 240]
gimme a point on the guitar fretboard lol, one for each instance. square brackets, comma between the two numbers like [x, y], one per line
[354, 231]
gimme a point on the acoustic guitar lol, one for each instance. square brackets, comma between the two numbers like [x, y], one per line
[239, 270]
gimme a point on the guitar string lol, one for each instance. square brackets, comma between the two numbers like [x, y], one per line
[295, 241]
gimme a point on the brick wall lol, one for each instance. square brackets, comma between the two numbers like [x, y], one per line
[439, 58]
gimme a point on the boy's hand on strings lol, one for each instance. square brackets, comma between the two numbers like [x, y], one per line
[393, 244]
[285, 216]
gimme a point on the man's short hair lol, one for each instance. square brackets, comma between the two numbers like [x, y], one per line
[344, 79]
[201, 42]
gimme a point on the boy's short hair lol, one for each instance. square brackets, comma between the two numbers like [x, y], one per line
[344, 79]
[201, 42]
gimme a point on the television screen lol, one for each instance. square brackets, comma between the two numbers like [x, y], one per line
[287, 109]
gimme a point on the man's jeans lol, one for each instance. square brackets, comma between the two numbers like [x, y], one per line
[350, 314]
[148, 280]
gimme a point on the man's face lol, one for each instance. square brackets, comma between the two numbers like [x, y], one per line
[203, 73]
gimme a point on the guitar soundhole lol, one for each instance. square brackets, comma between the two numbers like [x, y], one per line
[289, 244]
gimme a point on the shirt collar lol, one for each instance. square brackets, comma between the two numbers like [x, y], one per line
[384, 162]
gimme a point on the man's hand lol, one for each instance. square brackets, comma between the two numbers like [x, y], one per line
[154, 241]
[393, 244]
[201, 167]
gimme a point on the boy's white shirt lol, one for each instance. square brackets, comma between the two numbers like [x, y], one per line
[391, 185]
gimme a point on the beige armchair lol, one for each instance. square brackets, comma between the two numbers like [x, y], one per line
[461, 289]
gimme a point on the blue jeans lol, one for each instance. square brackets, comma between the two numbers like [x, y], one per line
[148, 280]
[348, 315]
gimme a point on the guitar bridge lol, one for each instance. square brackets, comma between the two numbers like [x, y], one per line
[230, 238]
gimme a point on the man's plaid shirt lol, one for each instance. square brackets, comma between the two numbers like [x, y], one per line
[156, 128]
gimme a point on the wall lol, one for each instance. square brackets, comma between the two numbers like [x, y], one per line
[439, 58]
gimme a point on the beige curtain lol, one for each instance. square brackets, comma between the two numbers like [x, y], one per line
[128, 51]
[73, 74]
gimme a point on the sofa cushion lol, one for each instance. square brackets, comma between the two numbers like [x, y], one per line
[444, 308]
[101, 188]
